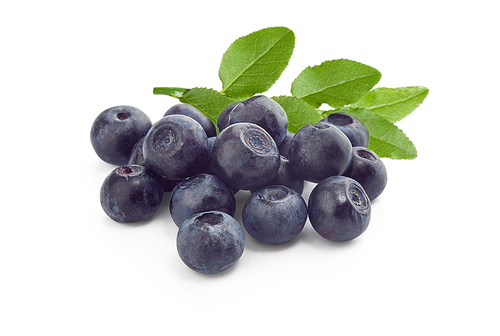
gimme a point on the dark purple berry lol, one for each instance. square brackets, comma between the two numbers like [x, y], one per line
[210, 242]
[274, 215]
[131, 193]
[367, 168]
[318, 151]
[176, 147]
[339, 209]
[115, 132]
[245, 156]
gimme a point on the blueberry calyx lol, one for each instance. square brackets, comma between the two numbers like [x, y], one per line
[358, 198]
[164, 139]
[208, 218]
[257, 142]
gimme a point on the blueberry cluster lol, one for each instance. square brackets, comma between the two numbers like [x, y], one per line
[182, 154]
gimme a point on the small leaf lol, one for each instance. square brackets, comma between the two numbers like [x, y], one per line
[175, 92]
[299, 112]
[338, 83]
[254, 62]
[208, 101]
[386, 139]
[393, 104]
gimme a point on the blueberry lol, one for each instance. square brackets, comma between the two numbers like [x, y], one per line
[131, 193]
[339, 209]
[191, 111]
[262, 111]
[245, 156]
[286, 177]
[210, 142]
[137, 157]
[210, 242]
[351, 126]
[176, 147]
[285, 145]
[367, 168]
[116, 130]
[318, 151]
[210, 169]
[223, 118]
[274, 215]
[200, 193]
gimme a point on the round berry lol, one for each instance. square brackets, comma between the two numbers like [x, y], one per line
[176, 147]
[245, 156]
[131, 193]
[318, 151]
[210, 242]
[274, 215]
[367, 168]
[115, 132]
[339, 209]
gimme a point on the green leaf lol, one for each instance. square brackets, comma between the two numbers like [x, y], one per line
[338, 83]
[393, 104]
[208, 101]
[254, 62]
[299, 112]
[175, 92]
[386, 139]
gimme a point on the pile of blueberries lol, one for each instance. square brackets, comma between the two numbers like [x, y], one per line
[182, 154]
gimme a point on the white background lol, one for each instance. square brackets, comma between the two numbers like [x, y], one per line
[427, 264]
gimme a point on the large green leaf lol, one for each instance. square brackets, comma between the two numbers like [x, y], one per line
[254, 62]
[338, 83]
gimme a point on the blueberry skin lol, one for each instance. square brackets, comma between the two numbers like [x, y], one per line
[210, 141]
[274, 214]
[318, 151]
[137, 157]
[210, 242]
[286, 177]
[176, 147]
[264, 112]
[223, 118]
[367, 168]
[245, 156]
[339, 209]
[131, 193]
[200, 193]
[116, 130]
[191, 111]
[210, 169]
[285, 145]
[351, 126]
